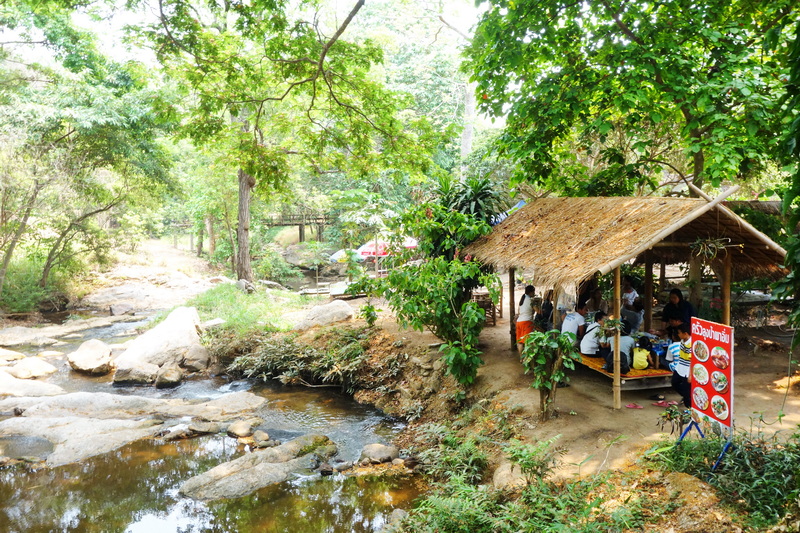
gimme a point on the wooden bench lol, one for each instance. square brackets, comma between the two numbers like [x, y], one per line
[650, 378]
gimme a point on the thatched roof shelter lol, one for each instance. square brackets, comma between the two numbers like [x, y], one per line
[560, 242]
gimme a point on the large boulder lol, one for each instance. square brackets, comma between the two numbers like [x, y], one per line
[92, 357]
[379, 453]
[31, 368]
[197, 358]
[11, 386]
[10, 355]
[258, 469]
[20, 335]
[165, 344]
[322, 315]
[136, 373]
[168, 376]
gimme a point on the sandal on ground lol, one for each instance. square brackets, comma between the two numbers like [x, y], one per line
[662, 403]
[634, 406]
[672, 402]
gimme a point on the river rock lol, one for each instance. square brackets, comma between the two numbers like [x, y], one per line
[167, 343]
[92, 357]
[326, 469]
[169, 376]
[272, 285]
[260, 438]
[121, 309]
[11, 386]
[50, 353]
[204, 428]
[379, 453]
[214, 323]
[31, 368]
[75, 439]
[197, 358]
[10, 355]
[245, 286]
[19, 335]
[136, 373]
[322, 315]
[107, 405]
[258, 469]
[244, 428]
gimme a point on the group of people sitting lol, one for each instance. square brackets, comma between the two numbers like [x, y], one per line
[594, 340]
[638, 350]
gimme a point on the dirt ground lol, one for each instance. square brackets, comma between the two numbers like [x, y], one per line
[598, 437]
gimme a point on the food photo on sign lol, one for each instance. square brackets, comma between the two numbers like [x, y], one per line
[712, 375]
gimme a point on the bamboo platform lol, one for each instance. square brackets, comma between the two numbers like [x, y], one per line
[651, 378]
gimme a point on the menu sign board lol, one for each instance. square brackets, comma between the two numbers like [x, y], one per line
[712, 372]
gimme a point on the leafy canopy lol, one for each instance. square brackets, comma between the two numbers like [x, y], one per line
[561, 68]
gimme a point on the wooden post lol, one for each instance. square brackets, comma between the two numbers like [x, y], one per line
[302, 233]
[648, 290]
[191, 241]
[320, 228]
[725, 285]
[617, 386]
[662, 277]
[695, 279]
[511, 310]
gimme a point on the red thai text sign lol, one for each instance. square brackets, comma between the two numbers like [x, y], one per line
[712, 371]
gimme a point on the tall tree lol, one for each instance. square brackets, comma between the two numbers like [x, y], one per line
[281, 85]
[557, 67]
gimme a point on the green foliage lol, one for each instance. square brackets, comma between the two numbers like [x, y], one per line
[543, 506]
[22, 292]
[546, 355]
[758, 473]
[476, 196]
[637, 71]
[369, 313]
[244, 313]
[537, 460]
[271, 265]
[451, 453]
[435, 293]
[342, 359]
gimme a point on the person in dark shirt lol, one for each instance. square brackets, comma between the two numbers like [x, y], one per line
[677, 311]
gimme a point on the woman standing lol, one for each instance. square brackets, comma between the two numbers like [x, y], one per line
[525, 316]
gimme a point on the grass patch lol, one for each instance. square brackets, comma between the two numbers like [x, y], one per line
[340, 356]
[263, 310]
[759, 475]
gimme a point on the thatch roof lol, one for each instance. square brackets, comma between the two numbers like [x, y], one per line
[560, 242]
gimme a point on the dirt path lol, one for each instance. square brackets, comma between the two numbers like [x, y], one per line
[598, 437]
[157, 276]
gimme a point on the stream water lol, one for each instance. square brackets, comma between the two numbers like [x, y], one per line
[134, 488]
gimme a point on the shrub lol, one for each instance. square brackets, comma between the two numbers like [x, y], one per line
[758, 473]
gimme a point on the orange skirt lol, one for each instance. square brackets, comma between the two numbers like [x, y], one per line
[523, 329]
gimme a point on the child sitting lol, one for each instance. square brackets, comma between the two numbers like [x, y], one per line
[642, 354]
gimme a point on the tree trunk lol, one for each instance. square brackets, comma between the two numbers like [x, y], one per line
[200, 233]
[23, 224]
[212, 236]
[469, 116]
[243, 268]
[63, 239]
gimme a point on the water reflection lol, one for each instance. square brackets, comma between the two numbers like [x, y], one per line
[134, 489]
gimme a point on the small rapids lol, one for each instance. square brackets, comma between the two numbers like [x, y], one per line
[135, 487]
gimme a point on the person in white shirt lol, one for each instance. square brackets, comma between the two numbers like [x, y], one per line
[594, 337]
[629, 294]
[575, 322]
